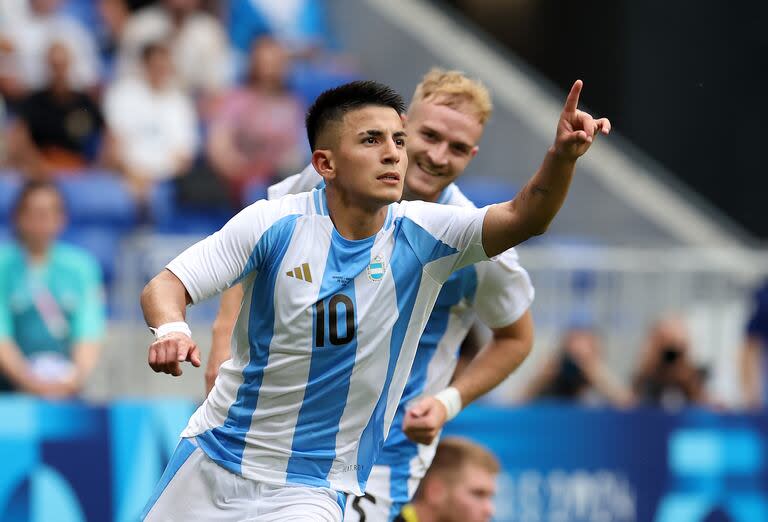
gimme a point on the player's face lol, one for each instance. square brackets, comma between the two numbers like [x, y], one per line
[370, 158]
[470, 498]
[40, 219]
[441, 143]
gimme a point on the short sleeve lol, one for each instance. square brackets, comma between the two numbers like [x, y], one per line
[504, 290]
[215, 263]
[445, 237]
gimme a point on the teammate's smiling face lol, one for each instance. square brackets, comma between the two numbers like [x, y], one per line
[369, 158]
[442, 141]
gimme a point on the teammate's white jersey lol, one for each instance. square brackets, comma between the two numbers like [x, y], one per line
[326, 335]
[497, 291]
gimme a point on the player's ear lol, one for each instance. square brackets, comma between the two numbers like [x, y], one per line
[322, 160]
[474, 151]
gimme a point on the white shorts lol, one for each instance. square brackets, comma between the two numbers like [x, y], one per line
[377, 504]
[193, 487]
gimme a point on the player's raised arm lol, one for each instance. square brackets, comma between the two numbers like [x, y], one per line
[531, 211]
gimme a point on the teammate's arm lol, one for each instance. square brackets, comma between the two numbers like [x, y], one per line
[164, 300]
[508, 348]
[223, 326]
[535, 206]
[471, 345]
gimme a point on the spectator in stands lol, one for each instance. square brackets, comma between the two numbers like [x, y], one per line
[753, 359]
[197, 41]
[25, 39]
[667, 375]
[458, 487]
[577, 372]
[58, 128]
[256, 133]
[52, 311]
[153, 123]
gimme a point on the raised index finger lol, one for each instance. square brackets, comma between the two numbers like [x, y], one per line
[572, 102]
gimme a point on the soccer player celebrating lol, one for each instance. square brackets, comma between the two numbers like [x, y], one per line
[445, 122]
[338, 284]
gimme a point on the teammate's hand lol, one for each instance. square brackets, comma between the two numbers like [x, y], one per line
[167, 353]
[576, 130]
[424, 420]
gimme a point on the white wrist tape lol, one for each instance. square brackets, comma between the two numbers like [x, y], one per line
[164, 329]
[451, 399]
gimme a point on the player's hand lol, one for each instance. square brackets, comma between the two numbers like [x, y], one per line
[167, 353]
[576, 130]
[424, 420]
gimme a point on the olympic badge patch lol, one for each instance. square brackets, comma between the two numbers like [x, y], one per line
[377, 269]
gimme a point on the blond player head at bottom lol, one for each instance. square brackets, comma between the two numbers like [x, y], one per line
[459, 486]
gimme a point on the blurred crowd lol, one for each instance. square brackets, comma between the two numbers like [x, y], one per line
[665, 374]
[175, 114]
[119, 114]
[206, 95]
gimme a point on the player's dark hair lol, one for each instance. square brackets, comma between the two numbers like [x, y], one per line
[334, 103]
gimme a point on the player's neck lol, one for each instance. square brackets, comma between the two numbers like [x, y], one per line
[409, 195]
[352, 220]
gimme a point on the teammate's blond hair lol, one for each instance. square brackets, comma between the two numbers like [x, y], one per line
[454, 89]
[452, 455]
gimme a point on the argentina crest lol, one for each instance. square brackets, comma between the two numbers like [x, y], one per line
[376, 269]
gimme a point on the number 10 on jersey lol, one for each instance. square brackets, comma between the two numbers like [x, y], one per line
[340, 306]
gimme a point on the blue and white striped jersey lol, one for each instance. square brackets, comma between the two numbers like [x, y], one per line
[497, 292]
[326, 335]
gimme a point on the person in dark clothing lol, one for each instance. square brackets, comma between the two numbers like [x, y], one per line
[58, 128]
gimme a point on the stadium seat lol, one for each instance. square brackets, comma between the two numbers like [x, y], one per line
[10, 184]
[98, 198]
[101, 242]
[171, 218]
[485, 190]
[308, 81]
[86, 12]
[254, 191]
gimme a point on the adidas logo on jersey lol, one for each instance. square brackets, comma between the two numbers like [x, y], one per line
[301, 272]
